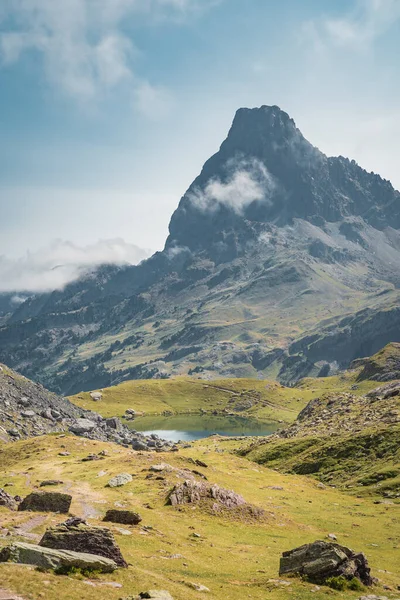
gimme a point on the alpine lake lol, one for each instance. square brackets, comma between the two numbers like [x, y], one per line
[195, 427]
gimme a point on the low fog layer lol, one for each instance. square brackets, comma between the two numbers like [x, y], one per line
[60, 263]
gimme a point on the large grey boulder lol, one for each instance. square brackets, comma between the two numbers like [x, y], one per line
[321, 560]
[75, 535]
[47, 502]
[48, 558]
[82, 426]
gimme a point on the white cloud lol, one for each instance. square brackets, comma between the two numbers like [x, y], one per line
[54, 267]
[359, 28]
[248, 181]
[84, 50]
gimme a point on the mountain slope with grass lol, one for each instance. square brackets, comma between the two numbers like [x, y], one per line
[342, 439]
[280, 262]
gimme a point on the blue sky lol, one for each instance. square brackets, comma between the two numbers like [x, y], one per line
[109, 108]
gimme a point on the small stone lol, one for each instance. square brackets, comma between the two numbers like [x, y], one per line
[198, 587]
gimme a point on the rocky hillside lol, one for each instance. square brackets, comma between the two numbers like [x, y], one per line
[29, 410]
[280, 261]
[352, 441]
[383, 366]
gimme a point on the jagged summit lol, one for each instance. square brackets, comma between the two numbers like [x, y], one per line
[267, 172]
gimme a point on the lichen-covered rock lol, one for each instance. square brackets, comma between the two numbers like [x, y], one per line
[47, 502]
[79, 537]
[48, 558]
[214, 498]
[120, 480]
[124, 517]
[7, 500]
[321, 560]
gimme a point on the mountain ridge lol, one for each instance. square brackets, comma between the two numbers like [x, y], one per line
[273, 252]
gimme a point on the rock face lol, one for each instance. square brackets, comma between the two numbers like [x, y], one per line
[79, 537]
[47, 502]
[124, 517]
[321, 560]
[47, 558]
[7, 500]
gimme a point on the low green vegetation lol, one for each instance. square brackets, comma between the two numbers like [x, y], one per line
[365, 463]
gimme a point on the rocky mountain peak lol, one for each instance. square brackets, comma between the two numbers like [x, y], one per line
[267, 172]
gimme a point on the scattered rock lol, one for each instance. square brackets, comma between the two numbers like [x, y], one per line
[49, 482]
[83, 538]
[82, 426]
[198, 587]
[120, 480]
[124, 517]
[7, 500]
[49, 558]
[47, 502]
[321, 560]
[91, 457]
[152, 595]
[332, 536]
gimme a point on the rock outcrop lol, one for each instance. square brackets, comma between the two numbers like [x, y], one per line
[47, 502]
[321, 560]
[7, 500]
[194, 492]
[48, 558]
[77, 536]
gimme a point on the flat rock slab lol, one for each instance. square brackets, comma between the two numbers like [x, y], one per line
[123, 517]
[48, 558]
[47, 502]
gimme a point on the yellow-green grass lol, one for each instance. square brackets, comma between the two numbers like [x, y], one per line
[182, 395]
[234, 559]
[192, 396]
[366, 462]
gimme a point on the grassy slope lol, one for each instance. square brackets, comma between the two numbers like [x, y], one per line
[367, 463]
[234, 559]
[183, 395]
